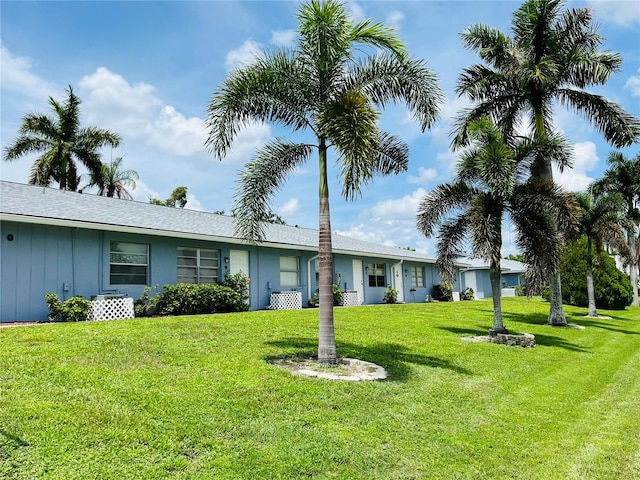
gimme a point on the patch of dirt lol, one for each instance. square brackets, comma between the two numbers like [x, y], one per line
[346, 369]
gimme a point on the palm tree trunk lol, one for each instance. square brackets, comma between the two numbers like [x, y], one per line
[496, 288]
[542, 169]
[591, 297]
[326, 338]
[633, 264]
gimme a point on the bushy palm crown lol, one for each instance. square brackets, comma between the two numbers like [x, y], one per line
[491, 182]
[601, 217]
[112, 181]
[552, 54]
[63, 142]
[622, 176]
[323, 85]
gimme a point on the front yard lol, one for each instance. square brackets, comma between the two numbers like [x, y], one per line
[195, 397]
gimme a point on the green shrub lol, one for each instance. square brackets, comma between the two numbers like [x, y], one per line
[146, 304]
[74, 309]
[612, 288]
[232, 295]
[314, 300]
[238, 282]
[467, 294]
[443, 292]
[390, 295]
[192, 299]
[338, 297]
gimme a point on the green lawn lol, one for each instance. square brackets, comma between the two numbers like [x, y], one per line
[194, 397]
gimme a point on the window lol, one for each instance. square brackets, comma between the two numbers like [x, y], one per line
[129, 263]
[197, 265]
[417, 276]
[375, 271]
[289, 271]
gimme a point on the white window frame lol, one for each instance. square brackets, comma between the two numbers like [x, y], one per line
[417, 276]
[202, 255]
[288, 271]
[137, 259]
[377, 272]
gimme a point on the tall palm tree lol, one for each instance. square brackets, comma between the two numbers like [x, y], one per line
[490, 184]
[553, 54]
[62, 141]
[328, 86]
[623, 176]
[112, 181]
[600, 220]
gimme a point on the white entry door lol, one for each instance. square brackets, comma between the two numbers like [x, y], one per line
[470, 281]
[398, 282]
[358, 280]
[239, 262]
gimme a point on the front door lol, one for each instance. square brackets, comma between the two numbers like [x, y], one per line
[239, 262]
[397, 281]
[358, 279]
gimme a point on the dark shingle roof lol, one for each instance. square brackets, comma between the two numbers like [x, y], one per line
[29, 203]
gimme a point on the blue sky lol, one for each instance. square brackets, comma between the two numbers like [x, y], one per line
[147, 70]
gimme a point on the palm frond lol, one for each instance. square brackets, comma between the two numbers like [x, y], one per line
[450, 240]
[618, 127]
[273, 89]
[259, 180]
[439, 202]
[388, 79]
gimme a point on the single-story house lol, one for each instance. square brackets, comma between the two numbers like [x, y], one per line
[474, 273]
[78, 244]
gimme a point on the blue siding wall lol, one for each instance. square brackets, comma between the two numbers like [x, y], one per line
[510, 279]
[37, 261]
[73, 261]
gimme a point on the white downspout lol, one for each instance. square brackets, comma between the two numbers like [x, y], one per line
[309, 292]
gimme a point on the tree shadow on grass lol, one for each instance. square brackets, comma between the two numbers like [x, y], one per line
[395, 358]
[551, 341]
[529, 318]
[11, 441]
[545, 340]
[592, 322]
[467, 332]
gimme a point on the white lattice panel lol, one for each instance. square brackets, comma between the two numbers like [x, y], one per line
[111, 309]
[351, 298]
[286, 301]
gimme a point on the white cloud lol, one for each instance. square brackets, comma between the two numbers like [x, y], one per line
[17, 76]
[623, 13]
[283, 37]
[142, 192]
[394, 19]
[633, 84]
[173, 132]
[193, 203]
[425, 175]
[585, 160]
[290, 207]
[355, 12]
[136, 112]
[110, 101]
[246, 54]
[405, 207]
